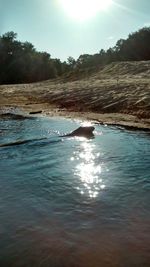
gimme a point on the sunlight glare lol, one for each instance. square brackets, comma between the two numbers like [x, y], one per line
[84, 9]
[88, 171]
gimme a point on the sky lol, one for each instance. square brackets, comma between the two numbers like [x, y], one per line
[51, 27]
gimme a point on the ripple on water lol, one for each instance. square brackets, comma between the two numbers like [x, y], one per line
[72, 201]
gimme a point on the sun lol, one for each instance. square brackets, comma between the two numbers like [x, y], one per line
[84, 9]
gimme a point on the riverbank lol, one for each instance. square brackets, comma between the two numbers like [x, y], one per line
[116, 119]
[119, 94]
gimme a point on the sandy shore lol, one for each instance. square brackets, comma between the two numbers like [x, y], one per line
[104, 96]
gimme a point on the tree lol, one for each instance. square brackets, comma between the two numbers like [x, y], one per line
[20, 62]
[71, 62]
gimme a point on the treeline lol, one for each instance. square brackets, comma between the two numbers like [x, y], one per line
[136, 47]
[21, 63]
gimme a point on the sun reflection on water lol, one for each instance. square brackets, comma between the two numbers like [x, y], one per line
[88, 169]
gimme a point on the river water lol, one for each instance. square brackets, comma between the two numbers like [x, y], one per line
[73, 202]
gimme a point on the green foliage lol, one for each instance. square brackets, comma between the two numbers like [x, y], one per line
[135, 47]
[71, 62]
[21, 63]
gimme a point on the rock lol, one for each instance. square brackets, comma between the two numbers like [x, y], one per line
[82, 131]
[35, 112]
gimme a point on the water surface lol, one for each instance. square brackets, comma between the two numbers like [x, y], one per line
[72, 202]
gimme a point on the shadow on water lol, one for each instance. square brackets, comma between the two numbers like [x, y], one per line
[37, 141]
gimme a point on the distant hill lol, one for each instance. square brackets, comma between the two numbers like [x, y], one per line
[116, 70]
[127, 68]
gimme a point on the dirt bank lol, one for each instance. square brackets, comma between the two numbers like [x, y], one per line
[117, 94]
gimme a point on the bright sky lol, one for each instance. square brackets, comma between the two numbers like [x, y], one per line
[66, 28]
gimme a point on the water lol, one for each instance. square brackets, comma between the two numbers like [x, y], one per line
[72, 202]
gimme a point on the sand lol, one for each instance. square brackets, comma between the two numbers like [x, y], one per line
[118, 94]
